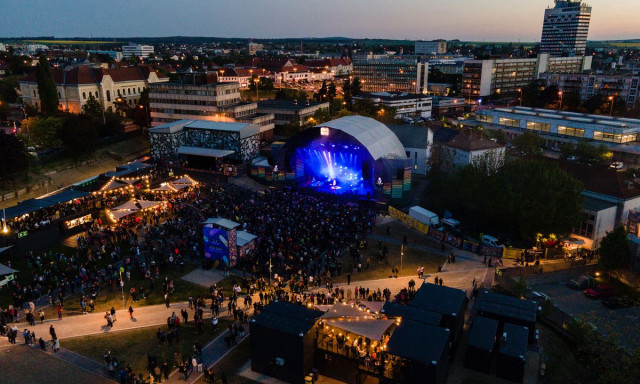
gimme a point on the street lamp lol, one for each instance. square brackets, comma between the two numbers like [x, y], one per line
[520, 90]
[611, 102]
[560, 93]
[469, 94]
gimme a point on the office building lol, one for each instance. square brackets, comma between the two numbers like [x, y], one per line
[405, 104]
[587, 85]
[392, 74]
[447, 106]
[137, 50]
[561, 127]
[565, 28]
[117, 56]
[431, 47]
[506, 76]
[254, 48]
[108, 85]
[200, 96]
[290, 112]
[339, 67]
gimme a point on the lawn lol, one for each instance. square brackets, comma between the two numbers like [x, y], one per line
[131, 347]
[559, 357]
[22, 364]
[232, 363]
[112, 296]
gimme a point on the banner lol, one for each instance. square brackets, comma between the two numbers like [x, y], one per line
[216, 244]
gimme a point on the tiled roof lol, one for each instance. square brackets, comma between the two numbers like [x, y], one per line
[84, 74]
[601, 180]
[472, 141]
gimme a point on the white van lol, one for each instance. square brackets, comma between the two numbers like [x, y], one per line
[450, 224]
[491, 241]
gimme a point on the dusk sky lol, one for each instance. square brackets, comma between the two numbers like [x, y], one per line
[474, 20]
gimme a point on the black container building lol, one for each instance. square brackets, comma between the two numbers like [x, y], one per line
[481, 344]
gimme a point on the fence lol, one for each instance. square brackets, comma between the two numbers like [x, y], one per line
[408, 220]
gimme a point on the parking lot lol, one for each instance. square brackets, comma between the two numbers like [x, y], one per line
[621, 323]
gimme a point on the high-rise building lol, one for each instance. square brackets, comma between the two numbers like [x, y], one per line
[431, 47]
[392, 74]
[200, 96]
[565, 28]
[507, 76]
[137, 50]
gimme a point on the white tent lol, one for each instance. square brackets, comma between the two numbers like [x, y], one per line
[129, 205]
[120, 214]
[144, 204]
[344, 310]
[371, 328]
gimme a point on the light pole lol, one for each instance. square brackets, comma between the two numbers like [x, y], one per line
[469, 94]
[401, 255]
[520, 90]
[611, 98]
[560, 105]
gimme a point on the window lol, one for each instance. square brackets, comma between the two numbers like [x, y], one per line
[509, 122]
[540, 127]
[34, 93]
[568, 131]
[84, 95]
[586, 225]
[614, 137]
[96, 94]
[129, 90]
[119, 93]
[108, 95]
[484, 118]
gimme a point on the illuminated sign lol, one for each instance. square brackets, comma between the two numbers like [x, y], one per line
[324, 131]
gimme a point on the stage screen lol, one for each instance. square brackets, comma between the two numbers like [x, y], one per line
[216, 244]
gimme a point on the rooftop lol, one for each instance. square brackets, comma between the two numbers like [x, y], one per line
[439, 299]
[290, 105]
[412, 136]
[613, 122]
[469, 141]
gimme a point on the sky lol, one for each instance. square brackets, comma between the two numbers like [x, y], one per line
[467, 20]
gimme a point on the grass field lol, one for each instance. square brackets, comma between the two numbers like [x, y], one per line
[232, 363]
[131, 347]
[74, 42]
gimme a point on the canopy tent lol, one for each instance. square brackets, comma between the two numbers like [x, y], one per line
[144, 204]
[129, 205]
[374, 329]
[373, 306]
[4, 270]
[344, 310]
[117, 215]
[112, 185]
[46, 201]
[186, 180]
[129, 181]
[165, 187]
[206, 152]
[180, 186]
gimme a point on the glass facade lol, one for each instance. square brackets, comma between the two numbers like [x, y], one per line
[540, 127]
[509, 122]
[614, 137]
[568, 131]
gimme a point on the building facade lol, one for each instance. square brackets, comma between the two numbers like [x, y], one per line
[587, 85]
[561, 127]
[236, 141]
[290, 112]
[254, 48]
[406, 104]
[565, 28]
[137, 50]
[418, 143]
[467, 148]
[392, 74]
[108, 85]
[199, 96]
[431, 47]
[507, 76]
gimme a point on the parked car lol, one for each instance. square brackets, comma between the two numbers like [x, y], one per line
[617, 165]
[616, 302]
[600, 291]
[582, 282]
[491, 241]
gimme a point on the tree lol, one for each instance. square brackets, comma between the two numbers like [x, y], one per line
[47, 89]
[322, 93]
[15, 158]
[44, 131]
[346, 89]
[356, 86]
[331, 91]
[93, 108]
[614, 249]
[529, 143]
[78, 134]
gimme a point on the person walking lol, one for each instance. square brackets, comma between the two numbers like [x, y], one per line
[113, 314]
[131, 312]
[41, 314]
[52, 332]
[109, 319]
[166, 299]
[43, 344]
[56, 345]
[59, 310]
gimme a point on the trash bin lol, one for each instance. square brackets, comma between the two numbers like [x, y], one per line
[439, 268]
